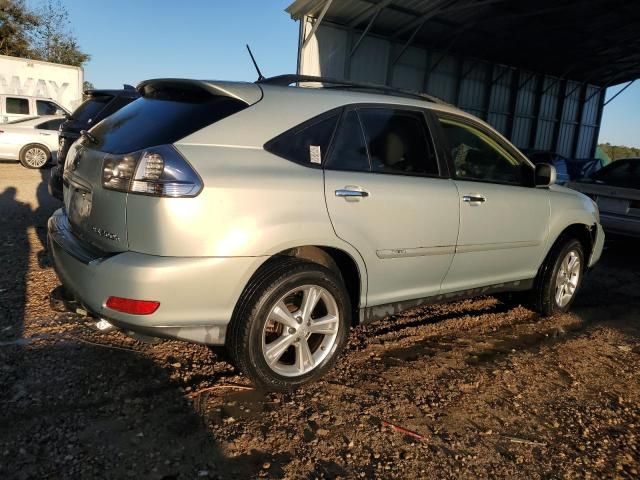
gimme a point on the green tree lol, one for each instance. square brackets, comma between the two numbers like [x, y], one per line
[86, 86]
[17, 23]
[52, 39]
[616, 152]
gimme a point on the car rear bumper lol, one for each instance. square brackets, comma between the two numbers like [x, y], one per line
[620, 224]
[197, 295]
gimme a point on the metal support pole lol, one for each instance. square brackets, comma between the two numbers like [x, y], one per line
[408, 42]
[621, 90]
[596, 133]
[317, 24]
[529, 78]
[533, 133]
[488, 91]
[559, 114]
[576, 133]
[347, 58]
[513, 102]
[427, 72]
[505, 70]
[366, 30]
[459, 79]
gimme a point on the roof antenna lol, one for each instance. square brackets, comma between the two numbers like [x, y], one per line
[260, 76]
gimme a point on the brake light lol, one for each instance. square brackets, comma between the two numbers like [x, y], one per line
[132, 306]
[157, 171]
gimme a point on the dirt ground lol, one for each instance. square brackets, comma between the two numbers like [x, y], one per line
[474, 389]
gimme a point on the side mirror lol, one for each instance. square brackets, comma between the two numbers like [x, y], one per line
[545, 174]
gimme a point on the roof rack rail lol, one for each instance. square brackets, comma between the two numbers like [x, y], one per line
[288, 79]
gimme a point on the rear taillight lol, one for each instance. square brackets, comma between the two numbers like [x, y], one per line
[157, 171]
[132, 306]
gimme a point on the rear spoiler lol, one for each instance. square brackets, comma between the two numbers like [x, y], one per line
[246, 92]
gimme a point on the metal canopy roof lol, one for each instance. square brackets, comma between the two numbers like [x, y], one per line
[591, 41]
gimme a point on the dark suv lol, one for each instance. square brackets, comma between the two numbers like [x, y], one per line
[99, 105]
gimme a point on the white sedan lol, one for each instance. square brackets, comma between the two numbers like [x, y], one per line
[31, 140]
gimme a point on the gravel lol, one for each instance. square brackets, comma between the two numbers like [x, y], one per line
[471, 389]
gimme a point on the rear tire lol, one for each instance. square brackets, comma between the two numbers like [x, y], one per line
[560, 277]
[290, 324]
[34, 156]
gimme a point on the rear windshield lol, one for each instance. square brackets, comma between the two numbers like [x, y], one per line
[90, 108]
[162, 117]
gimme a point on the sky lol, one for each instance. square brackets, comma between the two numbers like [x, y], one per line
[133, 40]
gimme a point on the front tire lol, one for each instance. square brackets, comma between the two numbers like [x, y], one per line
[560, 277]
[34, 156]
[290, 324]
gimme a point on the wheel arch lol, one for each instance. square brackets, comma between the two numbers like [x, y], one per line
[342, 263]
[583, 232]
[35, 144]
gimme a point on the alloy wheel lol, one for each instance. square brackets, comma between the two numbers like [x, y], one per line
[35, 157]
[301, 330]
[567, 278]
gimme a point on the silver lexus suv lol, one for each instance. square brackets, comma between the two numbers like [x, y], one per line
[271, 218]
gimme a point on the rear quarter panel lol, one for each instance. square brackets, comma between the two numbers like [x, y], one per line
[253, 204]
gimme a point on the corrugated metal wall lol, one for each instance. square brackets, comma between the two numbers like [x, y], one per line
[533, 110]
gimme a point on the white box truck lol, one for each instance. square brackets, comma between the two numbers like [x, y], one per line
[31, 87]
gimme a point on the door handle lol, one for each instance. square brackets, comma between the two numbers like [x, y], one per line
[350, 193]
[474, 199]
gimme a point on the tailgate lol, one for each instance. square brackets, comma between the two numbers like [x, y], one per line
[96, 215]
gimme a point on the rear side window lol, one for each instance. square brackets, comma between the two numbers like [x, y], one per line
[162, 118]
[349, 151]
[86, 112]
[306, 144]
[398, 141]
[44, 107]
[17, 106]
[50, 125]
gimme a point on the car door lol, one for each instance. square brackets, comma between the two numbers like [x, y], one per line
[16, 107]
[47, 133]
[386, 197]
[503, 217]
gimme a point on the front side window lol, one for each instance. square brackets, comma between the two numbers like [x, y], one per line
[306, 144]
[45, 107]
[476, 156]
[349, 150]
[398, 141]
[17, 106]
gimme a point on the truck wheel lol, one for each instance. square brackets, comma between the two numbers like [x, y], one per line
[34, 156]
[560, 277]
[290, 324]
